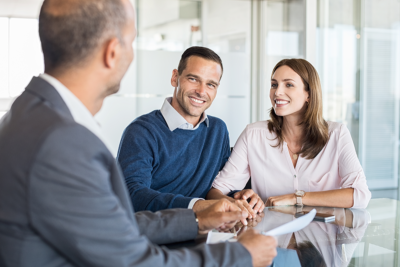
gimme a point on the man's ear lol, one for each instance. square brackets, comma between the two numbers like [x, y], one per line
[174, 78]
[112, 52]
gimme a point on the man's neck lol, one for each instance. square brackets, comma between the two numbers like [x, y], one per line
[84, 89]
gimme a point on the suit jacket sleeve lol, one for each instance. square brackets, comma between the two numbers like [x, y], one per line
[137, 155]
[162, 227]
[73, 207]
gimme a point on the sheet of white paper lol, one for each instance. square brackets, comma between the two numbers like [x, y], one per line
[290, 227]
[293, 226]
[215, 237]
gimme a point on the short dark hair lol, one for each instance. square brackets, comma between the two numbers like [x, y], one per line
[198, 51]
[70, 30]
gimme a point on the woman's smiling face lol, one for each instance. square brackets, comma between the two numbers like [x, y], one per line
[288, 95]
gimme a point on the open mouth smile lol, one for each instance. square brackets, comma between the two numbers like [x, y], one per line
[196, 101]
[281, 103]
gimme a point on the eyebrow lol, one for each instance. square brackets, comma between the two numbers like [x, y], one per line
[199, 78]
[285, 80]
[192, 75]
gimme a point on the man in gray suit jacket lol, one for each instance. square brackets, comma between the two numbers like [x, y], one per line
[63, 200]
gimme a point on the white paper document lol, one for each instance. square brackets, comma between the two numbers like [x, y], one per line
[293, 226]
[290, 227]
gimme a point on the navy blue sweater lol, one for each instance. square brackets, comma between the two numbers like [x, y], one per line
[165, 169]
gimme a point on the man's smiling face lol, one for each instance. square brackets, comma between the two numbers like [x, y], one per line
[195, 88]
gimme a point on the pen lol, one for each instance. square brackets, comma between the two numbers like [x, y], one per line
[234, 232]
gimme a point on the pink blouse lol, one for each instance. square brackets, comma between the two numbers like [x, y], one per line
[272, 172]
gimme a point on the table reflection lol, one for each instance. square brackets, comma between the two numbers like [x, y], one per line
[320, 243]
[368, 238]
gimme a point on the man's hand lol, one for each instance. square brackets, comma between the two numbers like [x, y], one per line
[289, 199]
[203, 204]
[262, 248]
[256, 220]
[254, 201]
[252, 222]
[223, 215]
[243, 205]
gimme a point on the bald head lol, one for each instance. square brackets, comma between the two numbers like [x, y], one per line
[71, 30]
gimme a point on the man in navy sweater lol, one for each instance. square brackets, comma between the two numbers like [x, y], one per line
[171, 156]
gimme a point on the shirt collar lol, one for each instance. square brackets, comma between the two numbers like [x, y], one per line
[79, 112]
[175, 120]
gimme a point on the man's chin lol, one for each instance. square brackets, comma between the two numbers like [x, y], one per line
[113, 90]
[196, 113]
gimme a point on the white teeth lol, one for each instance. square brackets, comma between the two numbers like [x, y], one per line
[197, 101]
[281, 102]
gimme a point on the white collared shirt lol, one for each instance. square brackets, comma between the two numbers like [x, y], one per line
[79, 112]
[176, 121]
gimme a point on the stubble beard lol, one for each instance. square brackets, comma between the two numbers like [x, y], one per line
[185, 105]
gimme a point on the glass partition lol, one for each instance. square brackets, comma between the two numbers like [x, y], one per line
[18, 61]
[358, 61]
[230, 37]
[283, 36]
[4, 93]
[338, 49]
[25, 60]
[379, 94]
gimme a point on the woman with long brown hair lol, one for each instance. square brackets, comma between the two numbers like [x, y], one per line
[296, 157]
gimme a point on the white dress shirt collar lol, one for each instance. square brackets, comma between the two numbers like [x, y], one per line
[79, 112]
[175, 120]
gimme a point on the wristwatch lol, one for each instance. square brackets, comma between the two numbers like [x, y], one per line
[299, 197]
[299, 208]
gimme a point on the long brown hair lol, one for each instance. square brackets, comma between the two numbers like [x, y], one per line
[316, 129]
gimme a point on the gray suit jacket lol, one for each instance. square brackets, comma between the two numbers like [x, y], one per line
[63, 201]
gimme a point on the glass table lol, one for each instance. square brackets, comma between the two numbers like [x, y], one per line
[358, 237]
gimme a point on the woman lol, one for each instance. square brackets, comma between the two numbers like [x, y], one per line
[296, 157]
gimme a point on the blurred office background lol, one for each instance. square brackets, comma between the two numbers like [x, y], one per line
[354, 44]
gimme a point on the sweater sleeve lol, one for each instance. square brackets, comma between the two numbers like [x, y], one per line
[137, 155]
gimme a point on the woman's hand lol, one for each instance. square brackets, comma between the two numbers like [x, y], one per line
[254, 201]
[289, 199]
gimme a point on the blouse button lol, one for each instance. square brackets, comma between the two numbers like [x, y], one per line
[295, 176]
